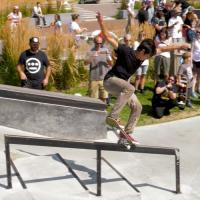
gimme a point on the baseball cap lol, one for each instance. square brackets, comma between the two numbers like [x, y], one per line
[34, 40]
[16, 7]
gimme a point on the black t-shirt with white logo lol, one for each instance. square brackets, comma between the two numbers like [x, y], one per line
[126, 64]
[34, 64]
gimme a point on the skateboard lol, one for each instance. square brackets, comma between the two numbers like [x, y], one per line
[126, 140]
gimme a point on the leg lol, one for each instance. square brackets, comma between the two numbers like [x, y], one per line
[137, 78]
[142, 78]
[44, 21]
[136, 109]
[128, 26]
[120, 88]
[103, 94]
[94, 89]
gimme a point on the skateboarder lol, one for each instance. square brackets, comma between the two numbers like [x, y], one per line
[116, 80]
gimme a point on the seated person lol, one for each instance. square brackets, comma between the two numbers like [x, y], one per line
[164, 97]
[37, 13]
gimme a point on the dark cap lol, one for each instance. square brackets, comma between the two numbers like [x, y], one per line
[34, 40]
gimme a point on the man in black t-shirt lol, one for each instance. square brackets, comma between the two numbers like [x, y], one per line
[128, 61]
[33, 66]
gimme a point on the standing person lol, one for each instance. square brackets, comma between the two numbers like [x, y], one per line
[131, 14]
[185, 72]
[116, 80]
[150, 10]
[175, 25]
[75, 27]
[196, 62]
[142, 70]
[164, 97]
[15, 17]
[57, 23]
[100, 62]
[162, 60]
[33, 66]
[37, 13]
[142, 15]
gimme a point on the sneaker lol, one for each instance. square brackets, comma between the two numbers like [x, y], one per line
[166, 112]
[189, 104]
[142, 91]
[112, 122]
[194, 95]
[133, 139]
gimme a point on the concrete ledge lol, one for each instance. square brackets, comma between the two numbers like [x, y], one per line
[52, 114]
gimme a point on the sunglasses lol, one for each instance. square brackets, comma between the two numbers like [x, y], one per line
[97, 43]
[170, 79]
[198, 32]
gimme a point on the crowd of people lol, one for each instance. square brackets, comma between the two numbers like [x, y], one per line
[177, 29]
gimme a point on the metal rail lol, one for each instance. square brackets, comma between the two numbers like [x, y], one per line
[98, 146]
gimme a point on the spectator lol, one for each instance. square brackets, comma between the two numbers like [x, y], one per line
[150, 10]
[15, 17]
[196, 62]
[162, 60]
[131, 14]
[37, 13]
[57, 24]
[164, 97]
[184, 5]
[142, 15]
[34, 75]
[75, 27]
[100, 62]
[159, 21]
[128, 40]
[175, 25]
[142, 70]
[185, 72]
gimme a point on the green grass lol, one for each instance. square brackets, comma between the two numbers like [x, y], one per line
[145, 99]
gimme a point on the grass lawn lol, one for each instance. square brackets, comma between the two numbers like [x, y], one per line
[145, 99]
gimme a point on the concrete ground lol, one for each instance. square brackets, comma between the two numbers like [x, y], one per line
[154, 175]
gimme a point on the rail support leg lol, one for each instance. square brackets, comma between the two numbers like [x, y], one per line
[98, 172]
[177, 165]
[8, 165]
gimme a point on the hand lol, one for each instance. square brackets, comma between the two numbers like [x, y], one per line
[185, 46]
[23, 76]
[99, 17]
[45, 82]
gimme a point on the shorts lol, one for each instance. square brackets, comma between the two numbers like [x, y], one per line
[196, 67]
[97, 90]
[142, 70]
[162, 65]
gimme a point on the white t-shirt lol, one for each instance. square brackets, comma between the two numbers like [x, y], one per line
[196, 50]
[15, 18]
[135, 46]
[36, 11]
[74, 27]
[174, 31]
[164, 44]
[131, 5]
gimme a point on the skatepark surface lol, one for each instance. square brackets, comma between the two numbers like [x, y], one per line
[47, 178]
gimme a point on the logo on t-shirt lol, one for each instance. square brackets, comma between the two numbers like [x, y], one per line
[33, 65]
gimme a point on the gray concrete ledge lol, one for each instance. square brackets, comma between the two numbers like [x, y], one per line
[52, 114]
[50, 97]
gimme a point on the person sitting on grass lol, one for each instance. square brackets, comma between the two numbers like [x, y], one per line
[164, 97]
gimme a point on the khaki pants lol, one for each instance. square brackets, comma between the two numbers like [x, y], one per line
[124, 92]
[97, 90]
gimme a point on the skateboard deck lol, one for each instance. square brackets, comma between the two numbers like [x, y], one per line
[128, 140]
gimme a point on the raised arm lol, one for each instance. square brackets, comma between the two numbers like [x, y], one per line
[172, 47]
[105, 32]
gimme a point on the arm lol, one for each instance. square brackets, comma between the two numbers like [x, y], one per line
[172, 48]
[21, 73]
[47, 75]
[105, 32]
